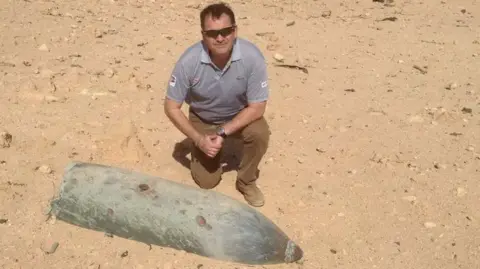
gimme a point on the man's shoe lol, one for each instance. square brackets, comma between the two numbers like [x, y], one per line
[252, 194]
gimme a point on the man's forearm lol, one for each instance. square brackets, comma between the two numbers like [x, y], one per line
[245, 117]
[183, 124]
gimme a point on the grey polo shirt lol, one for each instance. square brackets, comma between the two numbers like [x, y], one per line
[217, 95]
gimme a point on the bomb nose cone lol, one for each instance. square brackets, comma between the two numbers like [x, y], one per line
[293, 252]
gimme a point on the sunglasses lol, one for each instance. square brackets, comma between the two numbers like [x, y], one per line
[224, 32]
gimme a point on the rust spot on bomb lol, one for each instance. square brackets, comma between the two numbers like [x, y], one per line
[203, 223]
[143, 187]
[201, 220]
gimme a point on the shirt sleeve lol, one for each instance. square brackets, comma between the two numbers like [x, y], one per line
[257, 87]
[178, 83]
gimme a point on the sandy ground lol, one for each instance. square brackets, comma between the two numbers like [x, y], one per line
[374, 158]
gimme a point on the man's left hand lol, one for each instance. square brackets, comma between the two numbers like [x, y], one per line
[218, 140]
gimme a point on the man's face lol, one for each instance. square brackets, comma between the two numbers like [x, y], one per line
[219, 35]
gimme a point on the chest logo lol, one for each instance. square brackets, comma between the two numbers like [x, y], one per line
[173, 81]
[264, 84]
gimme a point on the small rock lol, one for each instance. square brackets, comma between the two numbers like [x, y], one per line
[99, 33]
[470, 148]
[51, 98]
[439, 166]
[422, 69]
[52, 248]
[43, 47]
[3, 221]
[44, 169]
[461, 192]
[300, 160]
[52, 220]
[278, 57]
[320, 150]
[416, 119]
[193, 5]
[409, 198]
[353, 171]
[429, 225]
[466, 110]
[334, 251]
[5, 139]
[109, 72]
[326, 13]
[291, 23]
[452, 86]
[94, 266]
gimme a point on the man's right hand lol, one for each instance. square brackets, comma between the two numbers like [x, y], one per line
[208, 144]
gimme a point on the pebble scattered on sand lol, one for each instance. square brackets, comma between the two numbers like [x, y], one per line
[44, 169]
[94, 266]
[440, 166]
[416, 119]
[429, 225]
[461, 192]
[109, 72]
[291, 23]
[5, 139]
[43, 47]
[451, 86]
[52, 248]
[279, 57]
[326, 13]
[410, 198]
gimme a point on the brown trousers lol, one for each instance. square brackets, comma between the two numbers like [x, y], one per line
[207, 172]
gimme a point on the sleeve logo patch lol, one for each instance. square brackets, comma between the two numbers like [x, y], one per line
[173, 81]
[264, 84]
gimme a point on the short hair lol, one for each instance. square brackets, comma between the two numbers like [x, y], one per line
[216, 10]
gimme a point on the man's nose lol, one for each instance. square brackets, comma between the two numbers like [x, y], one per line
[219, 38]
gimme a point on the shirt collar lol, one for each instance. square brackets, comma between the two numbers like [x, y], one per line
[236, 53]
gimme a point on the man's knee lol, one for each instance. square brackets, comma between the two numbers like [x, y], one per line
[205, 172]
[258, 132]
[206, 181]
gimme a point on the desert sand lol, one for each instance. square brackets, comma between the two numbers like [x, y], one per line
[374, 158]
